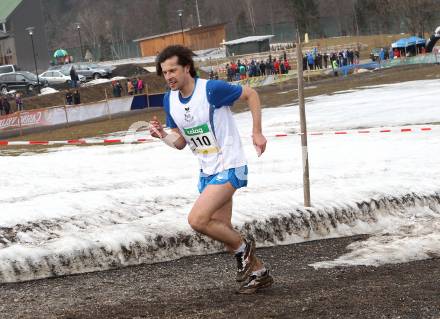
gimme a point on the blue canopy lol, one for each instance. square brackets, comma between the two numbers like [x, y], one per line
[416, 40]
[407, 42]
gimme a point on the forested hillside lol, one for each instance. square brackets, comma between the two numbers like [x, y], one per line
[116, 21]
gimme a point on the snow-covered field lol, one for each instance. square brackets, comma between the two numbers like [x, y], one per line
[76, 209]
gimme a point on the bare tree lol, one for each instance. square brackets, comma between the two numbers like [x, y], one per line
[417, 13]
[250, 10]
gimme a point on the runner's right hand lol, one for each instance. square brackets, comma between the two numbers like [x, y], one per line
[156, 129]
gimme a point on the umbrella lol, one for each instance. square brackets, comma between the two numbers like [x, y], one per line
[60, 53]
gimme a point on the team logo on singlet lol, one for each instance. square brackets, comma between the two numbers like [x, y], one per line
[188, 116]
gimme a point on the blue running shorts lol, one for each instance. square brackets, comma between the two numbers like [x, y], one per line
[236, 176]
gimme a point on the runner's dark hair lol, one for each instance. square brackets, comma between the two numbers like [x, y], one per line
[184, 56]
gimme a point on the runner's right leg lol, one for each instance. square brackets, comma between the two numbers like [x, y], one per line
[224, 215]
[213, 198]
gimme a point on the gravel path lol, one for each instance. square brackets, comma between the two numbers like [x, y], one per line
[203, 287]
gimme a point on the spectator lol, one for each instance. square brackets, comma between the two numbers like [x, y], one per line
[242, 69]
[6, 107]
[1, 105]
[335, 67]
[381, 55]
[117, 89]
[344, 57]
[229, 72]
[69, 97]
[286, 65]
[266, 67]
[326, 60]
[19, 102]
[310, 61]
[76, 97]
[130, 87]
[350, 57]
[391, 54]
[73, 77]
[262, 68]
[135, 87]
[276, 66]
[234, 71]
[140, 86]
[282, 68]
[305, 62]
[320, 58]
[357, 56]
[253, 69]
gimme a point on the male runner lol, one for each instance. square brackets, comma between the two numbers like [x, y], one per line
[198, 113]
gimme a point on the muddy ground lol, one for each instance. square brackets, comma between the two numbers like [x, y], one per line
[204, 287]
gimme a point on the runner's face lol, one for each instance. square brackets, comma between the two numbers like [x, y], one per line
[174, 74]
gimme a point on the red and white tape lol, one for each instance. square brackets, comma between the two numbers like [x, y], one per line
[150, 140]
[369, 131]
[78, 142]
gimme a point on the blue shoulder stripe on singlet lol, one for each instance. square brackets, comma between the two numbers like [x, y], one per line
[211, 118]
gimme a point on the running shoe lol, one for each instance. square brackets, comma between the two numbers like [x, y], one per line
[255, 283]
[245, 261]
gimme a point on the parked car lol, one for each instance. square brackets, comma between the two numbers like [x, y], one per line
[375, 53]
[89, 70]
[59, 77]
[20, 81]
[8, 68]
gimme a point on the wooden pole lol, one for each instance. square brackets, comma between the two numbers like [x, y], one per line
[19, 122]
[67, 117]
[148, 96]
[302, 116]
[108, 106]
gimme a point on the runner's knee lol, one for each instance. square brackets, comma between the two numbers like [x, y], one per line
[197, 222]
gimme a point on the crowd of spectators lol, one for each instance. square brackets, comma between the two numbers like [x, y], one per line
[312, 60]
[315, 60]
[239, 70]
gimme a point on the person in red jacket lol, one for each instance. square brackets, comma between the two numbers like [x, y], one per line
[286, 65]
[276, 65]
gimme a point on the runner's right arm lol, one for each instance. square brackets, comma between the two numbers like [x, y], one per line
[173, 139]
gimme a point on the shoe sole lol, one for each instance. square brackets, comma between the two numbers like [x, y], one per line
[253, 260]
[256, 289]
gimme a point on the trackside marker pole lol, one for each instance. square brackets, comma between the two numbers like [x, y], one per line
[302, 115]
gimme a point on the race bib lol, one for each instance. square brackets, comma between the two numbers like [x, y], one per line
[201, 139]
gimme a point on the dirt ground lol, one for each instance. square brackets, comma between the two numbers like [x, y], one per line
[271, 96]
[204, 287]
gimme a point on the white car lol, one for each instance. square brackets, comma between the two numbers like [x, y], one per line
[58, 77]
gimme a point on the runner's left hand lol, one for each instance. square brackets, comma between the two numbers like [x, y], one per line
[259, 143]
